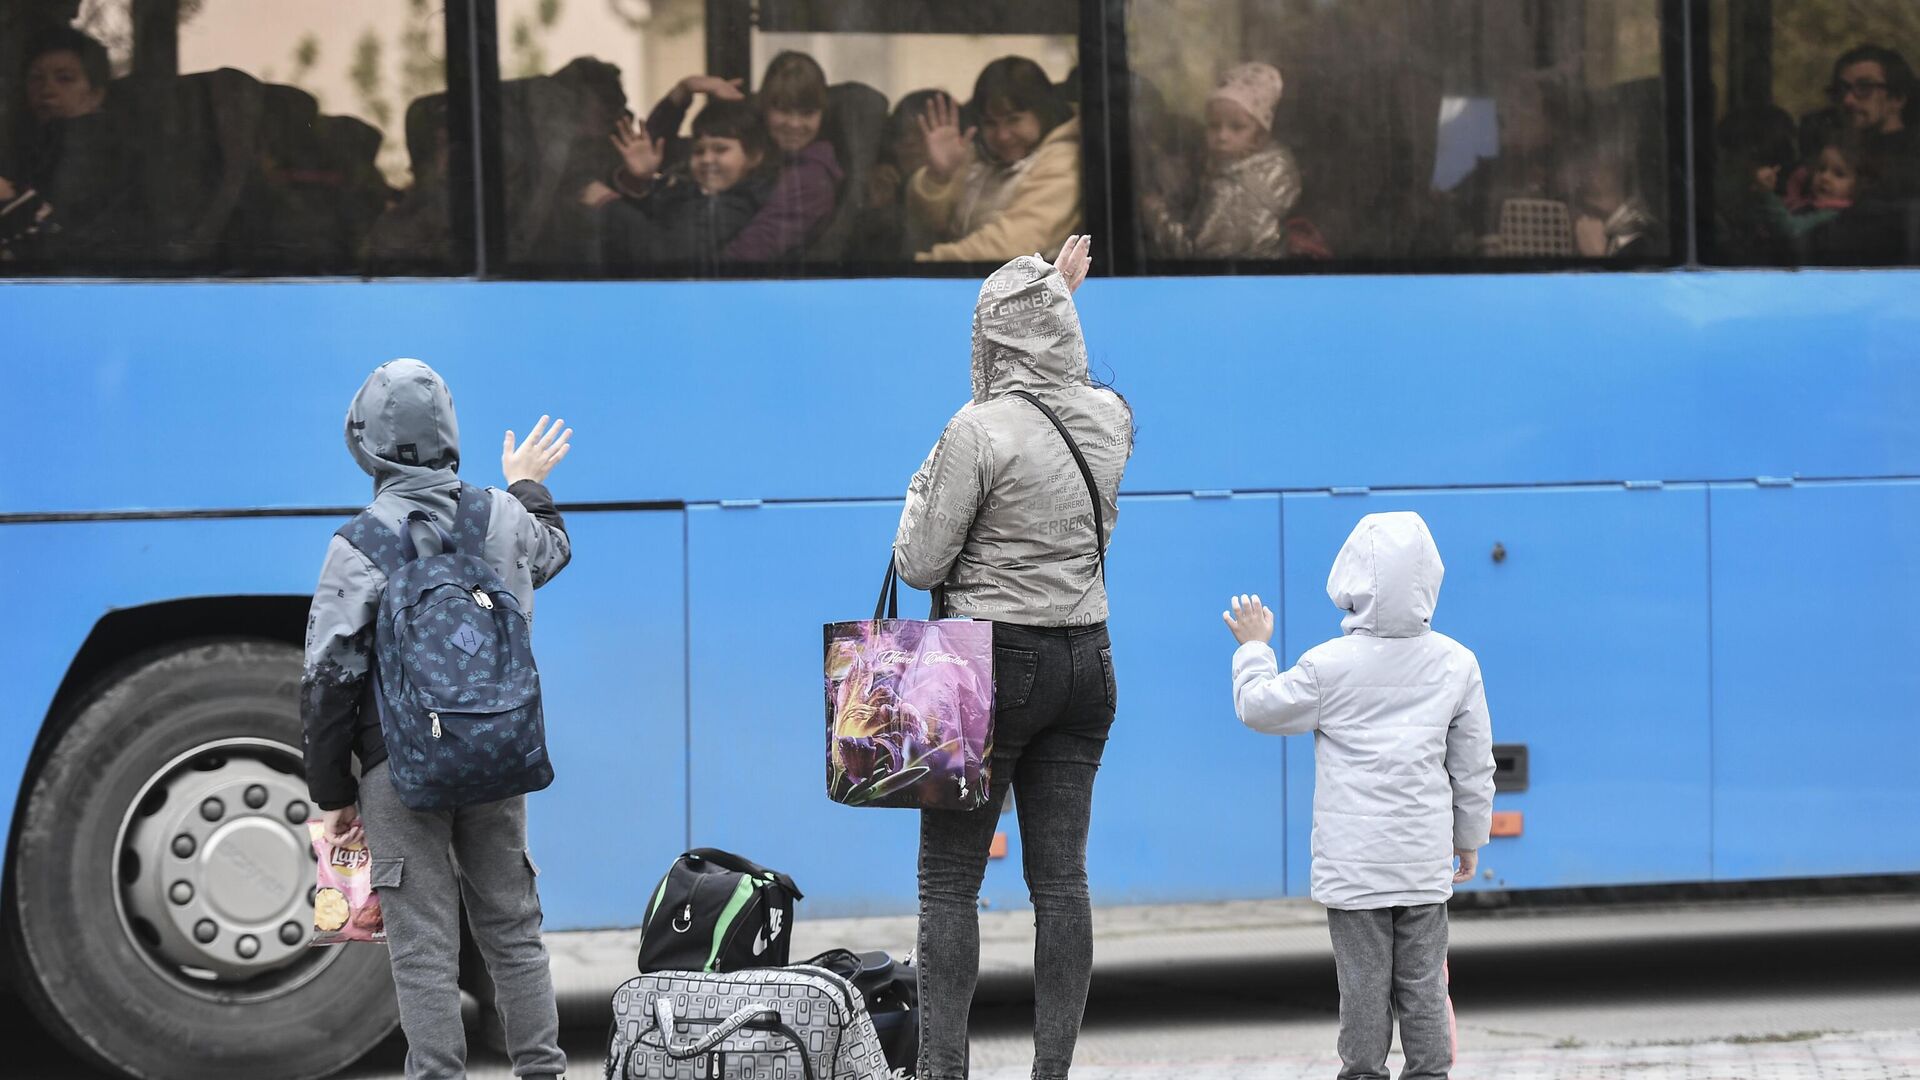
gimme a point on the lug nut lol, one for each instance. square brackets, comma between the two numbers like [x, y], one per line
[205, 931]
[290, 933]
[256, 797]
[298, 812]
[312, 892]
[181, 893]
[213, 809]
[248, 947]
[183, 846]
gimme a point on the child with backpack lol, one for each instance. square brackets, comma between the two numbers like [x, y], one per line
[447, 572]
[1403, 783]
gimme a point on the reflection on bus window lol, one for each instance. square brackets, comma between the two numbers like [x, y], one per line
[862, 138]
[1369, 130]
[1816, 145]
[267, 140]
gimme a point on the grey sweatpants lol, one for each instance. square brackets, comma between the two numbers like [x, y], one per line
[424, 865]
[1391, 961]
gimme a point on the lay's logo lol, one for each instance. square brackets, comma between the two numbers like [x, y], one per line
[350, 860]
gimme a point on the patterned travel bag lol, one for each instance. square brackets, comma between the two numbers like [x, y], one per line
[794, 1023]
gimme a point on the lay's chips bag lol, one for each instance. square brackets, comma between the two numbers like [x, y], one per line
[345, 907]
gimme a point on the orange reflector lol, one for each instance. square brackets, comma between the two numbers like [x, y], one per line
[999, 848]
[1507, 823]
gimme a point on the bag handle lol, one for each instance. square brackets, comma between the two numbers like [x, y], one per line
[757, 1017]
[1093, 489]
[421, 521]
[727, 860]
[888, 606]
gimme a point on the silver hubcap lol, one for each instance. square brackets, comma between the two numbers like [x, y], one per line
[215, 875]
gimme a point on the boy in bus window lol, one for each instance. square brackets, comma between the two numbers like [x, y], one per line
[1014, 191]
[883, 233]
[72, 198]
[690, 216]
[1756, 152]
[1251, 182]
[402, 431]
[1403, 782]
[806, 172]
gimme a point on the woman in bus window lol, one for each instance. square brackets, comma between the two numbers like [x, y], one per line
[792, 102]
[70, 199]
[1017, 190]
[1002, 517]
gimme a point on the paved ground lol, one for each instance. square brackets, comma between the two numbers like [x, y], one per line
[1736, 991]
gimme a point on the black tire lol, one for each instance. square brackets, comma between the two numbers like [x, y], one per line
[82, 970]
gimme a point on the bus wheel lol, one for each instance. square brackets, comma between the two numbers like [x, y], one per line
[162, 881]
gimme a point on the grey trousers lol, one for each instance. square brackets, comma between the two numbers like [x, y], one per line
[1391, 963]
[425, 864]
[1054, 699]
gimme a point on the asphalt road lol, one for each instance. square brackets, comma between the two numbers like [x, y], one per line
[1248, 990]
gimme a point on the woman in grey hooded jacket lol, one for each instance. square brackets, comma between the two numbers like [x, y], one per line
[1000, 517]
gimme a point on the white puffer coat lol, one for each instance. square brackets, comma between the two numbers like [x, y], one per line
[1403, 747]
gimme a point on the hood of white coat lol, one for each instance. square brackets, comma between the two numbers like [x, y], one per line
[1387, 576]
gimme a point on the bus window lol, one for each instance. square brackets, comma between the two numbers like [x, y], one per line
[1283, 132]
[1814, 155]
[237, 137]
[680, 139]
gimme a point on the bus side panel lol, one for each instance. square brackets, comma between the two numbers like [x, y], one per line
[610, 639]
[1815, 680]
[66, 576]
[1188, 804]
[761, 583]
[1591, 630]
[1250, 383]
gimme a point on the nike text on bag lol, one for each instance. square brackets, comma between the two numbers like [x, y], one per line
[715, 911]
[454, 680]
[909, 708]
[798, 1023]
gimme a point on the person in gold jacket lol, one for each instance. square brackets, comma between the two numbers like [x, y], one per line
[1014, 191]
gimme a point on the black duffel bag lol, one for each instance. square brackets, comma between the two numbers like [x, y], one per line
[715, 911]
[893, 1000]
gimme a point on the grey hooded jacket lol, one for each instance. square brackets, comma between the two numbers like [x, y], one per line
[402, 431]
[1403, 747]
[999, 513]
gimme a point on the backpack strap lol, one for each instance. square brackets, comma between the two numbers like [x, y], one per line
[470, 520]
[373, 539]
[1093, 490]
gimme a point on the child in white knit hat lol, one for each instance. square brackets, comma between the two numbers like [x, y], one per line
[1251, 183]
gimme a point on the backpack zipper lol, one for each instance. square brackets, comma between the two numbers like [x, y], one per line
[435, 717]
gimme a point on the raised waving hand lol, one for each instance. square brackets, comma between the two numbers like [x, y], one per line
[948, 148]
[536, 457]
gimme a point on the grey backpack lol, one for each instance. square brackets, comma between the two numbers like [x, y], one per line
[794, 1023]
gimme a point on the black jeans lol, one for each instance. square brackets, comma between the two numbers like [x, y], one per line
[1054, 703]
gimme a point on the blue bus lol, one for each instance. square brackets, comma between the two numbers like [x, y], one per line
[1549, 274]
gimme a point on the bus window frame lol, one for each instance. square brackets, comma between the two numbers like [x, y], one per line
[472, 134]
[729, 50]
[1677, 47]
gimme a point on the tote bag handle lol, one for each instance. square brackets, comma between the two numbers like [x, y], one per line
[888, 606]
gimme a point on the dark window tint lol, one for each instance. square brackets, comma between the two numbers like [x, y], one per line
[1376, 131]
[671, 139]
[232, 137]
[1813, 157]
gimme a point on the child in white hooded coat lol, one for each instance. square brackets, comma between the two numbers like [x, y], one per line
[1403, 782]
